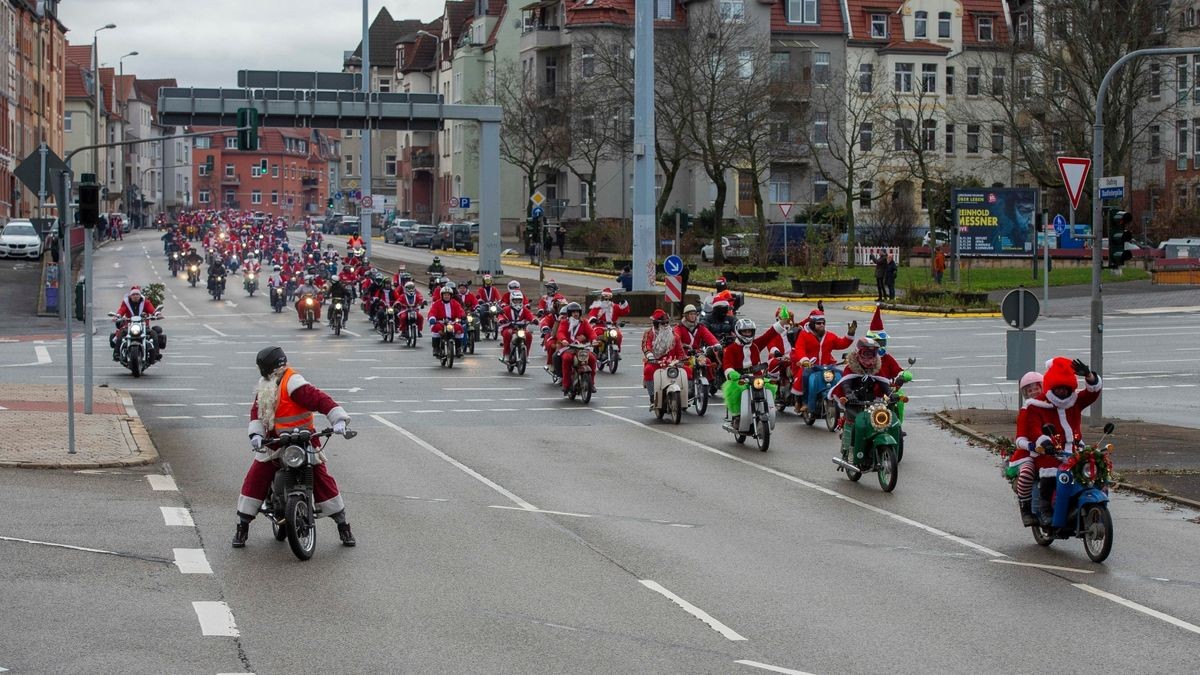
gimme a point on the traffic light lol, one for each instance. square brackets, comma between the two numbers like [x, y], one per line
[262, 168]
[1118, 236]
[89, 201]
[329, 203]
[247, 135]
[531, 229]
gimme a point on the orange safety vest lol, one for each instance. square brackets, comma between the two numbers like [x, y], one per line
[288, 413]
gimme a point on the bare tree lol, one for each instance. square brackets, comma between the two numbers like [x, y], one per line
[592, 135]
[533, 129]
[914, 115]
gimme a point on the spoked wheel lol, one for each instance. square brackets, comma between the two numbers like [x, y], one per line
[471, 346]
[1097, 532]
[701, 402]
[676, 407]
[660, 412]
[301, 528]
[763, 435]
[1043, 537]
[278, 530]
[614, 358]
[888, 471]
[337, 327]
[522, 361]
[831, 415]
[585, 391]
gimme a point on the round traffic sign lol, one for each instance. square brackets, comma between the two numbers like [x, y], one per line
[454, 202]
[337, 196]
[537, 212]
[367, 201]
[1020, 308]
[673, 265]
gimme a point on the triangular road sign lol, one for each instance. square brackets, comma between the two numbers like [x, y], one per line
[785, 208]
[1074, 171]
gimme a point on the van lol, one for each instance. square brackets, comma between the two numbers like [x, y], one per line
[349, 225]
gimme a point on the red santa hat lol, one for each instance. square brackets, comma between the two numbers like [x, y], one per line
[876, 321]
[816, 315]
[606, 291]
[1059, 373]
[135, 289]
[658, 315]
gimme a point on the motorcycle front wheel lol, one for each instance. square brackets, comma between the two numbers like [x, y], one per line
[585, 389]
[888, 471]
[301, 528]
[135, 363]
[614, 358]
[762, 434]
[522, 361]
[701, 399]
[1097, 532]
[676, 406]
[831, 415]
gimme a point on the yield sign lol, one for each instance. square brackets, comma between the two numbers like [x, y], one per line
[785, 208]
[1074, 171]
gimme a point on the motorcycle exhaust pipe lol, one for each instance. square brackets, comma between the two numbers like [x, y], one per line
[846, 465]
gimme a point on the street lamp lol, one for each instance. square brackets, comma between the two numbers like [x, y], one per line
[88, 233]
[124, 124]
[434, 202]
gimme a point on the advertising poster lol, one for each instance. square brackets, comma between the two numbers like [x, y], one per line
[994, 221]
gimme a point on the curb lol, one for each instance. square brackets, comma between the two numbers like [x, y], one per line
[135, 434]
[974, 435]
[946, 314]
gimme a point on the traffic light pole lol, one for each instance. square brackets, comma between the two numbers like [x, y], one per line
[1097, 321]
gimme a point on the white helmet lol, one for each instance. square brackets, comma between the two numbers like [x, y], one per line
[514, 285]
[745, 330]
[517, 299]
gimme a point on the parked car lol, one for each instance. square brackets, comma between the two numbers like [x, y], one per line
[395, 233]
[19, 239]
[943, 238]
[348, 225]
[455, 236]
[734, 246]
[421, 235]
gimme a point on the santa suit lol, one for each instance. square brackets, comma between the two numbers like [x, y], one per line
[441, 311]
[674, 352]
[129, 309]
[742, 357]
[297, 401]
[606, 312]
[549, 325]
[410, 301]
[819, 350]
[568, 334]
[467, 300]
[547, 301]
[301, 308]
[695, 338]
[1066, 416]
[488, 294]
[506, 318]
[507, 297]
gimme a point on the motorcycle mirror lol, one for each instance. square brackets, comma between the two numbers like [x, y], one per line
[1109, 428]
[112, 314]
[622, 324]
[1048, 429]
[349, 434]
[911, 360]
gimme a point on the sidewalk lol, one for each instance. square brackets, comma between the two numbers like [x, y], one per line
[1155, 459]
[36, 415]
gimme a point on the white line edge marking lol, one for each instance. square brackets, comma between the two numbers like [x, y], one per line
[43, 355]
[185, 308]
[192, 561]
[216, 619]
[819, 488]
[1140, 608]
[695, 611]
[553, 513]
[176, 516]
[53, 545]
[219, 333]
[1041, 566]
[162, 483]
[773, 669]
[455, 463]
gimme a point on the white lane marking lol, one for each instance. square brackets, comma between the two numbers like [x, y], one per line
[177, 516]
[192, 561]
[359, 360]
[695, 611]
[773, 669]
[170, 405]
[455, 463]
[231, 303]
[350, 332]
[219, 333]
[53, 545]
[819, 488]
[424, 412]
[117, 265]
[209, 404]
[162, 483]
[185, 308]
[215, 619]
[1140, 608]
[483, 389]
[43, 355]
[1041, 567]
[176, 417]
[219, 417]
[553, 513]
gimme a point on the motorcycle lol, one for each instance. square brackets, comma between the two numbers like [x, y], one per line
[670, 387]
[758, 409]
[216, 286]
[250, 283]
[818, 380]
[874, 443]
[289, 504]
[471, 333]
[175, 263]
[782, 374]
[580, 384]
[448, 345]
[387, 324]
[336, 316]
[311, 306]
[518, 348]
[700, 384]
[141, 345]
[193, 273]
[412, 322]
[1080, 500]
[278, 298]
[488, 311]
[608, 353]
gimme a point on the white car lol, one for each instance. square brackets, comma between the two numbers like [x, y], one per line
[20, 239]
[734, 245]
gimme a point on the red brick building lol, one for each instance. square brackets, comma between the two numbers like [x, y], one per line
[299, 164]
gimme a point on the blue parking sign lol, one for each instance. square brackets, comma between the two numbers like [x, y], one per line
[464, 202]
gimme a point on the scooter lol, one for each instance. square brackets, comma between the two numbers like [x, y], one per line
[1080, 500]
[757, 419]
[818, 380]
[874, 442]
[699, 391]
[670, 387]
[608, 349]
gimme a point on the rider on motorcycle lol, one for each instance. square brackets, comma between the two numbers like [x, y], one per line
[487, 293]
[435, 268]
[814, 347]
[574, 329]
[309, 289]
[743, 354]
[723, 293]
[354, 241]
[339, 292]
[446, 309]
[860, 383]
[215, 270]
[411, 299]
[692, 334]
[605, 311]
[192, 257]
[552, 296]
[514, 286]
[133, 304]
[515, 311]
[385, 297]
[720, 322]
[465, 298]
[660, 345]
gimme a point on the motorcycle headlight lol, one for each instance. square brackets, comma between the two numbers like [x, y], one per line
[612, 333]
[521, 334]
[672, 372]
[220, 278]
[881, 418]
[195, 268]
[308, 301]
[493, 309]
[338, 306]
[135, 329]
[828, 376]
[175, 256]
[250, 276]
[471, 318]
[294, 456]
[757, 383]
[390, 310]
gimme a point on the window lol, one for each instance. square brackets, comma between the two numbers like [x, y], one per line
[998, 77]
[1190, 17]
[229, 173]
[985, 29]
[1160, 17]
[274, 196]
[584, 198]
[1181, 196]
[1182, 83]
[929, 78]
[779, 190]
[1196, 81]
[820, 188]
[902, 136]
[1155, 80]
[879, 24]
[781, 132]
[1181, 143]
[997, 139]
[821, 67]
[1196, 151]
[733, 10]
[904, 77]
[274, 171]
[921, 25]
[929, 130]
[802, 11]
[231, 143]
[1059, 81]
[1022, 28]
[974, 74]
[864, 194]
[202, 169]
[866, 135]
[781, 66]
[745, 60]
[821, 128]
[551, 74]
[389, 165]
[949, 139]
[67, 123]
[1024, 83]
[949, 80]
[202, 143]
[385, 84]
[972, 139]
[866, 77]
[663, 9]
[1057, 144]
[458, 85]
[256, 197]
[349, 165]
[944, 24]
[587, 61]
[204, 197]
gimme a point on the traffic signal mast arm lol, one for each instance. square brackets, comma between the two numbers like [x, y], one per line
[137, 141]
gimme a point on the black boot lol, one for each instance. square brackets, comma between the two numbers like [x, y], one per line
[240, 534]
[346, 535]
[1027, 518]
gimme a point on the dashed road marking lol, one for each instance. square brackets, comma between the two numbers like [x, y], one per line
[219, 333]
[1140, 608]
[216, 619]
[769, 667]
[192, 561]
[177, 516]
[695, 611]
[162, 483]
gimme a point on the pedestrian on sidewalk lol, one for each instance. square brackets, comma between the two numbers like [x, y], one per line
[560, 239]
[889, 276]
[880, 262]
[51, 246]
[939, 264]
[548, 244]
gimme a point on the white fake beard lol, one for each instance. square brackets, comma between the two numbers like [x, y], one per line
[605, 305]
[574, 323]
[662, 341]
[267, 395]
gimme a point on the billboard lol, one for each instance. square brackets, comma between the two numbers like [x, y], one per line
[994, 221]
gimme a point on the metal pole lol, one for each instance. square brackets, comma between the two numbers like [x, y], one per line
[365, 211]
[1097, 319]
[489, 198]
[644, 226]
[675, 244]
[1046, 260]
[66, 297]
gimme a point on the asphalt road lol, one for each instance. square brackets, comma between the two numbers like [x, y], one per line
[504, 529]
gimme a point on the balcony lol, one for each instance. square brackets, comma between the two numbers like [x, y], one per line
[310, 183]
[422, 159]
[231, 180]
[541, 36]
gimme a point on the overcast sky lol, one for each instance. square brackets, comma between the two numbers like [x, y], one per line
[203, 43]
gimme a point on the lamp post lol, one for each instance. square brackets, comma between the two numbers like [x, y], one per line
[124, 124]
[89, 232]
[434, 201]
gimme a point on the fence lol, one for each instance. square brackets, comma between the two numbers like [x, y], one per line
[864, 254]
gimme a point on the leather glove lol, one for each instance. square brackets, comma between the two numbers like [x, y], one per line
[1081, 369]
[256, 441]
[852, 327]
[339, 427]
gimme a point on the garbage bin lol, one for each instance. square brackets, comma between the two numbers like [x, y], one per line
[79, 308]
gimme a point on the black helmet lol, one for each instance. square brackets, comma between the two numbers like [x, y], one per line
[270, 359]
[573, 307]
